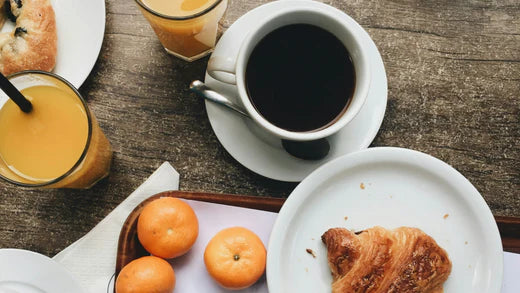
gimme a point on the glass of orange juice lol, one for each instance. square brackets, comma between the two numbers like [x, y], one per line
[58, 144]
[186, 28]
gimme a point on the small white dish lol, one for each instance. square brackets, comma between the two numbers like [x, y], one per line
[262, 153]
[388, 187]
[80, 28]
[31, 272]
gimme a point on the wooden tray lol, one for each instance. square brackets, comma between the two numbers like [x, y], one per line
[129, 247]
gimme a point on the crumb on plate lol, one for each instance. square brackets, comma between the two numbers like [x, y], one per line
[311, 252]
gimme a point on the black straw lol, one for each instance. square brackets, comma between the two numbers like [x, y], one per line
[15, 94]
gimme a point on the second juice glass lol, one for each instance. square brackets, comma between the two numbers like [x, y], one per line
[189, 30]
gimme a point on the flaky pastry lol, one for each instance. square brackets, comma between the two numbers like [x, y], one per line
[379, 260]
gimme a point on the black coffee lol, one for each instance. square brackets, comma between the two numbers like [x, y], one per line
[300, 77]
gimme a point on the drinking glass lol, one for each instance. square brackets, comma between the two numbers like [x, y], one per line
[188, 37]
[91, 166]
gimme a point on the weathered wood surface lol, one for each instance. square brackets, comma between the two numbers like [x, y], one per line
[453, 72]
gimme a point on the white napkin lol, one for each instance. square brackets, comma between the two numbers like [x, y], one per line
[92, 258]
[511, 282]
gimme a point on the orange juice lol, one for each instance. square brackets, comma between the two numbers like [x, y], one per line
[56, 143]
[45, 143]
[186, 28]
[178, 7]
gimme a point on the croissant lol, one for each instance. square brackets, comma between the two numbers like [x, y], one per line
[380, 260]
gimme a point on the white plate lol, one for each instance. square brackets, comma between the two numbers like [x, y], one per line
[263, 154]
[80, 28]
[30, 272]
[402, 188]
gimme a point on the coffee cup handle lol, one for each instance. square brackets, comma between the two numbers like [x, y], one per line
[222, 69]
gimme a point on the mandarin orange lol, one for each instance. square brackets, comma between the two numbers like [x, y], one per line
[235, 258]
[167, 227]
[146, 274]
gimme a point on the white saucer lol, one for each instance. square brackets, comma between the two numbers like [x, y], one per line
[263, 154]
[80, 27]
[31, 272]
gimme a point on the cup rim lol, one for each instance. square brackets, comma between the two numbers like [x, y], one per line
[363, 78]
[89, 135]
[186, 17]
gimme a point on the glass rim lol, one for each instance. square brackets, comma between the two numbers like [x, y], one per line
[89, 135]
[186, 17]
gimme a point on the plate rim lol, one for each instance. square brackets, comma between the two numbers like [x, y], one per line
[97, 46]
[45, 260]
[79, 80]
[324, 172]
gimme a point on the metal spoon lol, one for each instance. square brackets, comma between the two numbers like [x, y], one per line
[307, 150]
[207, 93]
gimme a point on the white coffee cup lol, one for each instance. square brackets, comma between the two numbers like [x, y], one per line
[229, 70]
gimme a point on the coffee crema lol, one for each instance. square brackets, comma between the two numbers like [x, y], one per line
[300, 78]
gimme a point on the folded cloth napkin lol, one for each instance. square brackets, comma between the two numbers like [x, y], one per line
[92, 258]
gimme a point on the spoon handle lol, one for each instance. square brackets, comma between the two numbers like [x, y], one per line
[207, 93]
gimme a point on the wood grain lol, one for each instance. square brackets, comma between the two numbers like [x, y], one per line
[453, 72]
[509, 228]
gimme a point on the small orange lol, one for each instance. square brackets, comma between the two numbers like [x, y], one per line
[167, 227]
[146, 274]
[235, 258]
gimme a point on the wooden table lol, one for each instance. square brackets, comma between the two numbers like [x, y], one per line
[453, 72]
